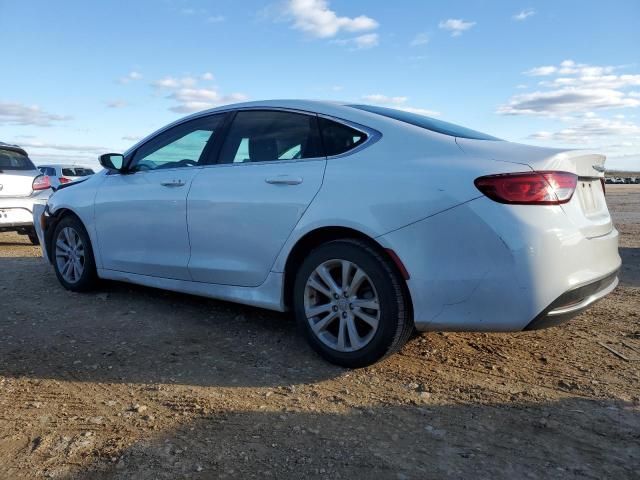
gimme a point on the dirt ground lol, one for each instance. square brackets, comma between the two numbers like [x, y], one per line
[135, 383]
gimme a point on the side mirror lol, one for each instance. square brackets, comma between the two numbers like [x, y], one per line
[112, 161]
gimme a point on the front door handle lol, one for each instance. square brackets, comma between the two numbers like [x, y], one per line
[284, 180]
[173, 183]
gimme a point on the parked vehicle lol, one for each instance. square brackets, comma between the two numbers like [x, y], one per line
[61, 174]
[21, 185]
[366, 222]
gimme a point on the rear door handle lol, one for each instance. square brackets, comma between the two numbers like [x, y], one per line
[173, 183]
[284, 180]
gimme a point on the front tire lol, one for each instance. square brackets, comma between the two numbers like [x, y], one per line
[72, 254]
[350, 302]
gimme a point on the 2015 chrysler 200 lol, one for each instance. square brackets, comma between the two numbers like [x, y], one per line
[366, 222]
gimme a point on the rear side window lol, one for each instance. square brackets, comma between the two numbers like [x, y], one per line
[264, 135]
[11, 160]
[338, 138]
[428, 123]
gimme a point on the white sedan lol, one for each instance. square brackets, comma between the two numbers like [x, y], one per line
[364, 221]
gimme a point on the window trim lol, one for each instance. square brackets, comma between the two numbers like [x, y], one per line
[213, 155]
[372, 135]
[207, 152]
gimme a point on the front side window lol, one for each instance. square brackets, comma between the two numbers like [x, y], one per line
[263, 135]
[181, 146]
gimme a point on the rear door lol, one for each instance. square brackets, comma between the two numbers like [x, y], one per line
[242, 209]
[16, 173]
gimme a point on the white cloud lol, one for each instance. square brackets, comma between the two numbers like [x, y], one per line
[367, 40]
[208, 76]
[419, 39]
[574, 88]
[196, 99]
[116, 103]
[131, 138]
[19, 114]
[172, 82]
[524, 14]
[384, 99]
[399, 103]
[130, 77]
[541, 71]
[592, 130]
[456, 26]
[216, 18]
[565, 101]
[63, 147]
[317, 19]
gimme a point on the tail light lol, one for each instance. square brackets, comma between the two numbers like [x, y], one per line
[41, 182]
[64, 180]
[529, 188]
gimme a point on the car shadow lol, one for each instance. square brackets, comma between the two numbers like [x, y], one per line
[131, 334]
[630, 271]
[567, 438]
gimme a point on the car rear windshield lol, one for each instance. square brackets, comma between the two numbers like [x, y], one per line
[77, 172]
[429, 123]
[12, 160]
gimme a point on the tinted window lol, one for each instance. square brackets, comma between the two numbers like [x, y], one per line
[260, 135]
[10, 160]
[429, 123]
[181, 146]
[76, 172]
[338, 138]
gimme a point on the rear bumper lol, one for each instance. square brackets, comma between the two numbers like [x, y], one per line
[16, 213]
[484, 266]
[574, 302]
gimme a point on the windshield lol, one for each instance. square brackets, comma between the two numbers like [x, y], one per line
[428, 123]
[12, 160]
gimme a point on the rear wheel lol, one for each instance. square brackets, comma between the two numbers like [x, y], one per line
[73, 256]
[350, 303]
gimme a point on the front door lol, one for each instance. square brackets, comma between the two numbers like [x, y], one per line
[141, 216]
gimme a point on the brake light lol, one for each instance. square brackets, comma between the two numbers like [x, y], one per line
[64, 180]
[41, 182]
[529, 188]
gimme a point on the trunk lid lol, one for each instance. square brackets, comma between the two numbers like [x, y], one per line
[16, 183]
[587, 208]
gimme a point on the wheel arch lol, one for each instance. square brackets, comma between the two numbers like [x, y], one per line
[321, 235]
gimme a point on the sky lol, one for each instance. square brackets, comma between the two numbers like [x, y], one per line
[82, 78]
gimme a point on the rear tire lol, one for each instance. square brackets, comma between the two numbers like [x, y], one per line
[351, 304]
[72, 255]
[33, 237]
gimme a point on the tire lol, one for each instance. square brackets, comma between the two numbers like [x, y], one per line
[33, 237]
[381, 288]
[67, 232]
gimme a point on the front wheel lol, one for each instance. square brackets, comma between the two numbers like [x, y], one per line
[350, 303]
[73, 256]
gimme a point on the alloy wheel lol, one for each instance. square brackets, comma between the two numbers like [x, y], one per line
[341, 305]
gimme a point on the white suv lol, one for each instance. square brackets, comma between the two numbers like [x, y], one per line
[61, 174]
[21, 185]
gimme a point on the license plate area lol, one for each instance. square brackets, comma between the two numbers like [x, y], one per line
[591, 197]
